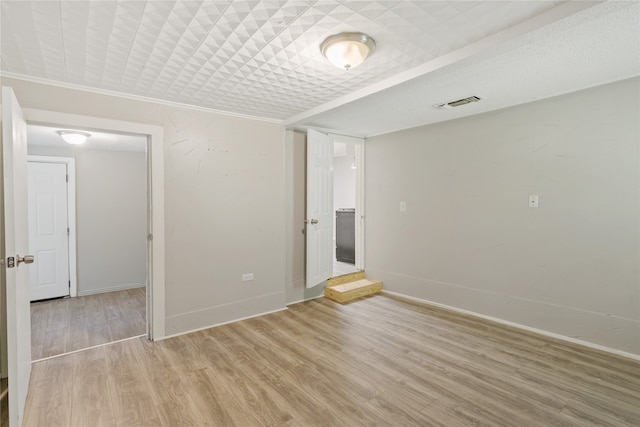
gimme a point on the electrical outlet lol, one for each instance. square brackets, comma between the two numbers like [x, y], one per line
[247, 276]
[403, 206]
[533, 201]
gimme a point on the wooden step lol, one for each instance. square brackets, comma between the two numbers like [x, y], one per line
[349, 277]
[351, 290]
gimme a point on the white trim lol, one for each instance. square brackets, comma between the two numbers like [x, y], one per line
[71, 214]
[88, 348]
[519, 326]
[132, 97]
[346, 139]
[305, 300]
[221, 324]
[111, 289]
[360, 205]
[155, 167]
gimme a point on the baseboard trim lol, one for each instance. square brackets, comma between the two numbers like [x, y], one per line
[305, 300]
[220, 324]
[537, 331]
[238, 320]
[110, 289]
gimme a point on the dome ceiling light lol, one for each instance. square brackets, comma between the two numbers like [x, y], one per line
[347, 50]
[73, 137]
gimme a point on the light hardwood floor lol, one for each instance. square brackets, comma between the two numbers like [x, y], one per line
[63, 325]
[375, 361]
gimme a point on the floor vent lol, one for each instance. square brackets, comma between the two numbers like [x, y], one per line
[457, 103]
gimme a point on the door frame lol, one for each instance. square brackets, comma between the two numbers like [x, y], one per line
[71, 213]
[155, 286]
[359, 160]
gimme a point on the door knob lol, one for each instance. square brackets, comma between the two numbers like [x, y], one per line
[27, 259]
[314, 221]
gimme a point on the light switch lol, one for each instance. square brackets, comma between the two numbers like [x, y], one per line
[403, 206]
[533, 201]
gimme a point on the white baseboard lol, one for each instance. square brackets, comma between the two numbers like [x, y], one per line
[219, 324]
[221, 314]
[519, 326]
[236, 320]
[110, 289]
[305, 300]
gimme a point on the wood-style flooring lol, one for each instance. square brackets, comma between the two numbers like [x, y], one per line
[375, 361]
[63, 325]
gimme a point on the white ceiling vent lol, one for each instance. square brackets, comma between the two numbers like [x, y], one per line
[457, 103]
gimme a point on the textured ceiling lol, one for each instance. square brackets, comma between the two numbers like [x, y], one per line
[255, 58]
[595, 46]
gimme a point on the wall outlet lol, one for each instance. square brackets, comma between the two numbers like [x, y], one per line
[247, 276]
[533, 201]
[403, 206]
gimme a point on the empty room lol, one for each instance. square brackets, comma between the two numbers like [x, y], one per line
[394, 213]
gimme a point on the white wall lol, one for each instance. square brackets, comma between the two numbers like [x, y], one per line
[111, 216]
[469, 239]
[224, 203]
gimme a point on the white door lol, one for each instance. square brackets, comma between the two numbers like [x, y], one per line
[14, 153]
[48, 230]
[319, 207]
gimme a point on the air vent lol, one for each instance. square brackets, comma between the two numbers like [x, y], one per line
[457, 103]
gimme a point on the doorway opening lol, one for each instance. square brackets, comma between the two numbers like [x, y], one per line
[88, 222]
[334, 206]
[15, 331]
[344, 206]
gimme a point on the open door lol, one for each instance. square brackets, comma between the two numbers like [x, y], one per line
[319, 207]
[14, 255]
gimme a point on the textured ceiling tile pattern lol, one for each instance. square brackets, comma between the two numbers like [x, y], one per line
[258, 58]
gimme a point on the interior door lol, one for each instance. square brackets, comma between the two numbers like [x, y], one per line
[48, 230]
[319, 231]
[15, 244]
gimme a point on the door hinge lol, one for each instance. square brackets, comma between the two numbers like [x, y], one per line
[66, 177]
[150, 236]
[68, 231]
[69, 284]
[11, 262]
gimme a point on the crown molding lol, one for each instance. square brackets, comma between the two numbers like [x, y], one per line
[64, 85]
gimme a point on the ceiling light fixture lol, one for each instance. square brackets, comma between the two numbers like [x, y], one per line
[347, 50]
[73, 136]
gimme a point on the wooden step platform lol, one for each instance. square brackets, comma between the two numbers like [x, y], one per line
[351, 286]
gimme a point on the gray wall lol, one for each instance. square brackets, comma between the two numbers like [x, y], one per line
[111, 217]
[224, 203]
[469, 239]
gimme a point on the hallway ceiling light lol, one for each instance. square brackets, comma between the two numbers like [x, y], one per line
[73, 136]
[347, 50]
